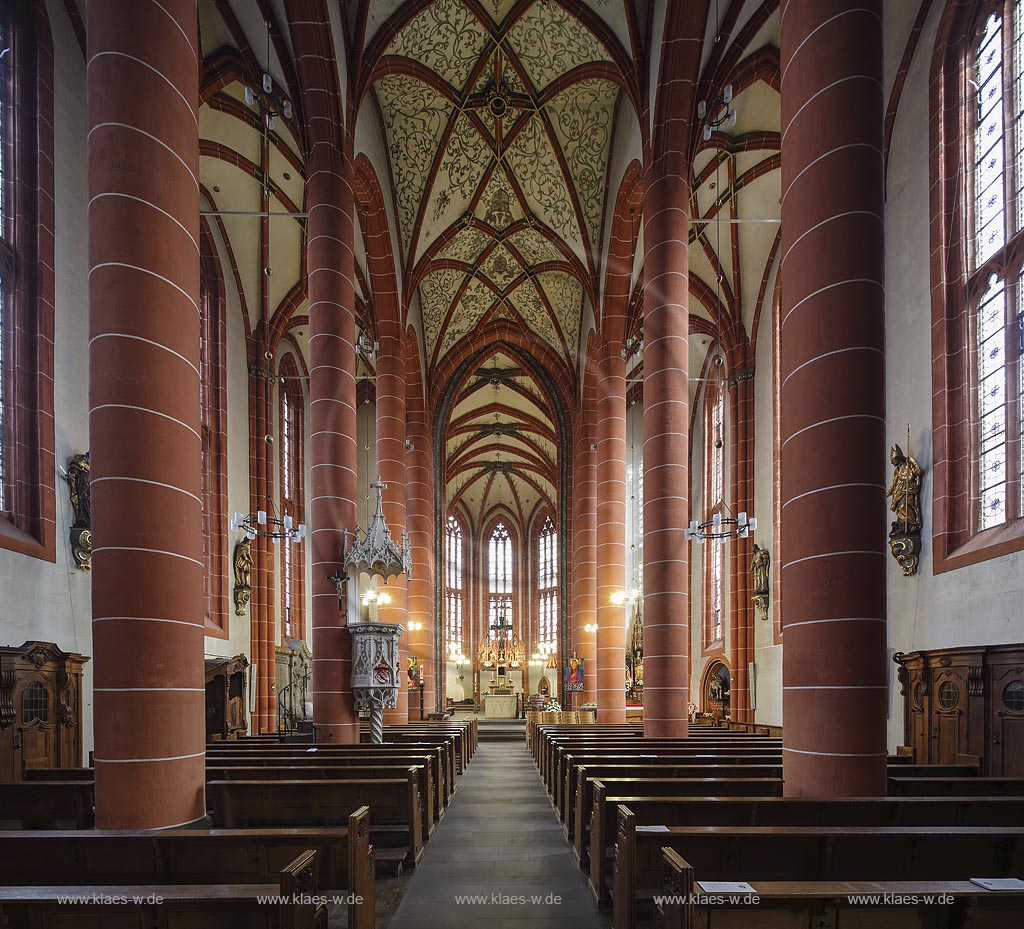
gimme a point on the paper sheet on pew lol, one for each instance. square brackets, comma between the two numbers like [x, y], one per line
[998, 883]
[308, 750]
[725, 887]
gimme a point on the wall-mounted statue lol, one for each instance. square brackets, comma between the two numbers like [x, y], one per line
[243, 576]
[81, 502]
[760, 567]
[905, 494]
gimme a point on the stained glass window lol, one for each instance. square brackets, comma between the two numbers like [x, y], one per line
[997, 297]
[6, 263]
[547, 581]
[499, 574]
[714, 499]
[453, 568]
[292, 490]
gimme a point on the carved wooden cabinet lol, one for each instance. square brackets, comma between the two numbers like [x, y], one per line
[965, 701]
[40, 709]
[226, 697]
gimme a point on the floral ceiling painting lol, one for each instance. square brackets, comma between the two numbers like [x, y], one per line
[499, 119]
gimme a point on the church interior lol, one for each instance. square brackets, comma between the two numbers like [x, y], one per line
[511, 462]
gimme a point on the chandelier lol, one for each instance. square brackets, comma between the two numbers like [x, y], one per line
[268, 525]
[374, 552]
[720, 528]
[504, 649]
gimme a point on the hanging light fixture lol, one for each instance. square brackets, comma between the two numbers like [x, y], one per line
[721, 527]
[268, 525]
[270, 102]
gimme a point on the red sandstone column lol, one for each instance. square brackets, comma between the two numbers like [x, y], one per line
[147, 579]
[611, 534]
[420, 518]
[585, 538]
[391, 468]
[666, 431]
[832, 368]
[332, 434]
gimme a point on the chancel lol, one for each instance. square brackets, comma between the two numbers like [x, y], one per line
[512, 463]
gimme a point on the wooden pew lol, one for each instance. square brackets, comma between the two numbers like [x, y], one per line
[453, 743]
[395, 813]
[654, 767]
[554, 773]
[662, 809]
[641, 752]
[344, 858]
[442, 771]
[161, 906]
[954, 786]
[330, 772]
[800, 853]
[64, 804]
[685, 904]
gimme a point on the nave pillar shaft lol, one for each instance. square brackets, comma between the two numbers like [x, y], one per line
[584, 566]
[420, 518]
[147, 576]
[611, 533]
[665, 449]
[391, 468]
[832, 370]
[332, 434]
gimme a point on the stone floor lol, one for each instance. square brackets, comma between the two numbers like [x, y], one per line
[499, 837]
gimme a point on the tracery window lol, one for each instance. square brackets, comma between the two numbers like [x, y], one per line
[293, 561]
[996, 295]
[499, 576]
[547, 581]
[453, 574]
[714, 503]
[27, 500]
[212, 431]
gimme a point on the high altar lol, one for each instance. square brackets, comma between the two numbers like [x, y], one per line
[499, 657]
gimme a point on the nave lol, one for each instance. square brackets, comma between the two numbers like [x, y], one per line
[500, 837]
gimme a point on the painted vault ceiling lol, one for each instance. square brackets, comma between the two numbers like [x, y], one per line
[499, 130]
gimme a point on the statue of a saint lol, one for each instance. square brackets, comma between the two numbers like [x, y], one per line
[905, 492]
[759, 566]
[81, 502]
[243, 576]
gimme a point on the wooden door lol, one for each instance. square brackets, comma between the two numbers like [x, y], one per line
[37, 731]
[1006, 751]
[949, 715]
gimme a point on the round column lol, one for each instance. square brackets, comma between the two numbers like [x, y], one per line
[420, 519]
[832, 369]
[147, 574]
[585, 544]
[666, 453]
[611, 534]
[391, 468]
[332, 433]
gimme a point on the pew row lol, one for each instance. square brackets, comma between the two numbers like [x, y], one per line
[649, 810]
[395, 813]
[293, 904]
[685, 904]
[802, 853]
[344, 858]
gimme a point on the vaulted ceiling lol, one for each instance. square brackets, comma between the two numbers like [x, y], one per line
[499, 118]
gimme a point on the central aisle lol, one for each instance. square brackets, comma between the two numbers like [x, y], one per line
[500, 836]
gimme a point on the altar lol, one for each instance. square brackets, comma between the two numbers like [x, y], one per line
[499, 706]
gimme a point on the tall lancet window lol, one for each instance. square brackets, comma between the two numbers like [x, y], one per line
[499, 576]
[293, 560]
[547, 581]
[996, 274]
[714, 503]
[453, 572]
